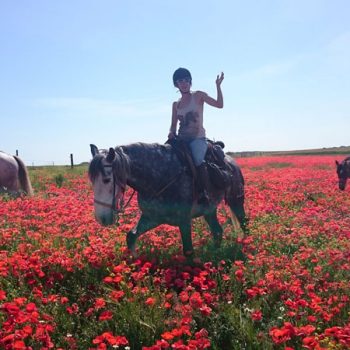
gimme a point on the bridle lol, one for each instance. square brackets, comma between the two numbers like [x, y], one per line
[121, 206]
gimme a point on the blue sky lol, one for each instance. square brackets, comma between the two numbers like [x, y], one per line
[82, 71]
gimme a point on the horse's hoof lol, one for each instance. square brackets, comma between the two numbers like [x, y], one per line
[217, 240]
[193, 261]
[189, 253]
[131, 241]
[133, 254]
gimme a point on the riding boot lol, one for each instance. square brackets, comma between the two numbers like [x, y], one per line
[203, 184]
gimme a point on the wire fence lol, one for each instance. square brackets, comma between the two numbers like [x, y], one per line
[32, 163]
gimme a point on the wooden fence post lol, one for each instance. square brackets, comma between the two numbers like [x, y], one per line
[71, 161]
[17, 152]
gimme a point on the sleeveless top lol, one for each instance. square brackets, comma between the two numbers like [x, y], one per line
[191, 120]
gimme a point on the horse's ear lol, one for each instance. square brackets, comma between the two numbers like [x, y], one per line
[337, 163]
[111, 155]
[94, 150]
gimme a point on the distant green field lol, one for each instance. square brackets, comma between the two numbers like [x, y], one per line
[57, 169]
[41, 176]
[342, 150]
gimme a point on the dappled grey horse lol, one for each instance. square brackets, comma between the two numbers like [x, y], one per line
[165, 188]
[14, 177]
[343, 171]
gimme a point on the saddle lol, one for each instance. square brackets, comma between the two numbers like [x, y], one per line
[218, 169]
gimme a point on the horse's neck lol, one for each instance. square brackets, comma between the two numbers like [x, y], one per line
[149, 165]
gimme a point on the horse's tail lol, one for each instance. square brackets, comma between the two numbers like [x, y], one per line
[23, 177]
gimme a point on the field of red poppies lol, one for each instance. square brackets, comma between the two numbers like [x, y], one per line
[68, 283]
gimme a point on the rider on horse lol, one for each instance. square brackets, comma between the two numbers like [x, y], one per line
[188, 110]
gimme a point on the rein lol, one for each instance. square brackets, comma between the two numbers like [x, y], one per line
[122, 208]
[112, 206]
[168, 184]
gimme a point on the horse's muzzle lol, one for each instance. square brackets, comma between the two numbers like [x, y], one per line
[342, 184]
[105, 220]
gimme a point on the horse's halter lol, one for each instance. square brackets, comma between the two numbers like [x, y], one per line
[114, 199]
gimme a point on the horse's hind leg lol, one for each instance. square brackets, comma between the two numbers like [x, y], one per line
[215, 227]
[13, 188]
[145, 223]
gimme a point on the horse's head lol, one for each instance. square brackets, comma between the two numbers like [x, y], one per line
[108, 172]
[342, 172]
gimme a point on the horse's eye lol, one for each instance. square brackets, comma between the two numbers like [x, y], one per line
[106, 181]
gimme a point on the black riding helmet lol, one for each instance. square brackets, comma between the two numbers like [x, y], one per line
[181, 73]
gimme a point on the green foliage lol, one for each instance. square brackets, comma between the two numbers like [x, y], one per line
[59, 180]
[4, 196]
[279, 165]
[231, 329]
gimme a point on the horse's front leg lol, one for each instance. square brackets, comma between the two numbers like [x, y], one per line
[186, 235]
[145, 223]
[215, 228]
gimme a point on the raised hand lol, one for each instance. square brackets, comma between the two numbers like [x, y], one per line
[219, 79]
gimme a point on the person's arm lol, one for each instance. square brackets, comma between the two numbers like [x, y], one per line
[172, 131]
[219, 102]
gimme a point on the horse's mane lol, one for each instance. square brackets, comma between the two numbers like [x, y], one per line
[96, 167]
[120, 165]
[137, 146]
